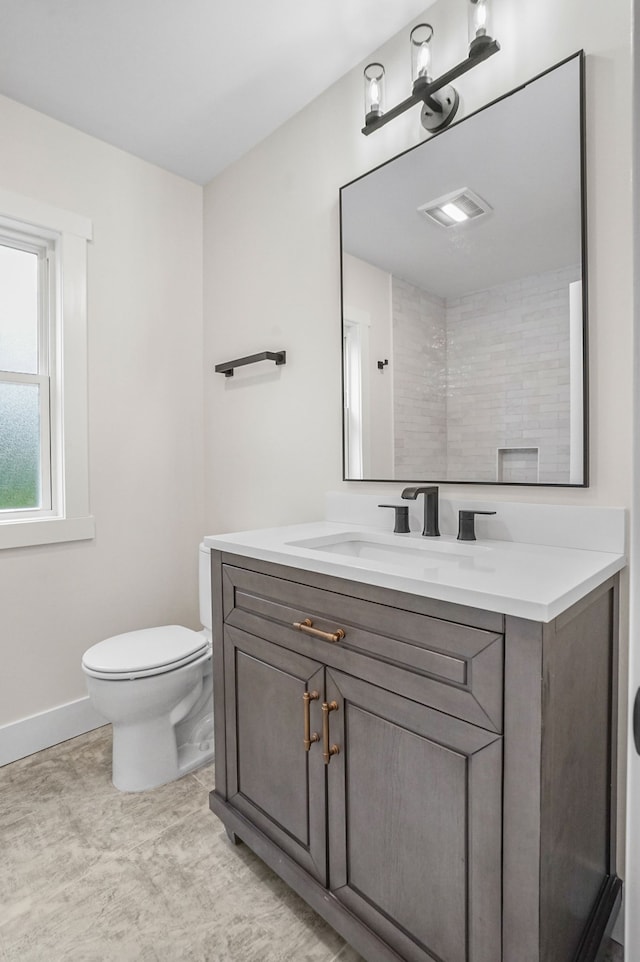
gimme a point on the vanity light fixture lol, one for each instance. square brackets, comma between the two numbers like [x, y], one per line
[439, 99]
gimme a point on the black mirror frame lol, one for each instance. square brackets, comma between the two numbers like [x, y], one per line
[585, 289]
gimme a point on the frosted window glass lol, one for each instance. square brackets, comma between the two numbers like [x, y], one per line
[19, 445]
[18, 311]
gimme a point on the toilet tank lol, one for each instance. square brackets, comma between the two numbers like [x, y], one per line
[204, 569]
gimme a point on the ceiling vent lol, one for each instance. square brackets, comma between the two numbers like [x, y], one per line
[455, 208]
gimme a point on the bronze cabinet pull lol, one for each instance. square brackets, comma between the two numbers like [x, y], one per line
[334, 750]
[309, 738]
[307, 627]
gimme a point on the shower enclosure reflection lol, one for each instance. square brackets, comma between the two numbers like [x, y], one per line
[463, 267]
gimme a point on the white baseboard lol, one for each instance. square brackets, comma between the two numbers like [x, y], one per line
[29, 735]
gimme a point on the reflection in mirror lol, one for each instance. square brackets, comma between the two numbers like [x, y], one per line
[463, 268]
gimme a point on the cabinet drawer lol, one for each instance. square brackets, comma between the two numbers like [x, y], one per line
[454, 668]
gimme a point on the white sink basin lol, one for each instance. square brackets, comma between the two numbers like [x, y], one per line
[396, 549]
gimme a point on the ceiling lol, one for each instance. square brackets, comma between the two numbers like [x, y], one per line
[189, 85]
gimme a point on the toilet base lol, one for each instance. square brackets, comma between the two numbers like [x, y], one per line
[192, 757]
[145, 756]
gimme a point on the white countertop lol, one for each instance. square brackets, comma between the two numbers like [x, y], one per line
[526, 580]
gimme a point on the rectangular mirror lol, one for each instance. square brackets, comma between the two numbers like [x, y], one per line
[464, 299]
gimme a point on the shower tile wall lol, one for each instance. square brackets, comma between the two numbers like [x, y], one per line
[419, 385]
[508, 376]
[504, 359]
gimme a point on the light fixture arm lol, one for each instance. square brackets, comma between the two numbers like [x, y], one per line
[433, 103]
[423, 90]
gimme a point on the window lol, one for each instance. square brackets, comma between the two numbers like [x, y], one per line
[43, 412]
[25, 294]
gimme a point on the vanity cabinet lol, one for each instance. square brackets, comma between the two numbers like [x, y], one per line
[434, 779]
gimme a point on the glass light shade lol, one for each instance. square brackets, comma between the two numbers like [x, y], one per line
[479, 21]
[420, 41]
[373, 91]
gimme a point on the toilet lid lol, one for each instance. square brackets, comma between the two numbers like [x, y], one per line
[144, 652]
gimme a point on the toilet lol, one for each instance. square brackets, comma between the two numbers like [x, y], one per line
[155, 687]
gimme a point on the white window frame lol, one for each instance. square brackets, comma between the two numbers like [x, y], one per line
[355, 345]
[67, 516]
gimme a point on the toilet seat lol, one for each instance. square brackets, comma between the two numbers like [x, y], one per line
[150, 651]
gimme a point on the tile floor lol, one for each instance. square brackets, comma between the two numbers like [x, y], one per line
[88, 874]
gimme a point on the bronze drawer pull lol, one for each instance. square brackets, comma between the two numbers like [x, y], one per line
[309, 738]
[307, 627]
[334, 750]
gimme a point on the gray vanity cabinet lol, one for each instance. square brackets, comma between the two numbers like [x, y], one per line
[414, 817]
[406, 792]
[271, 780]
[428, 816]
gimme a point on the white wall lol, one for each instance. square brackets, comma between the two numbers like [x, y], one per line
[279, 287]
[145, 415]
[272, 270]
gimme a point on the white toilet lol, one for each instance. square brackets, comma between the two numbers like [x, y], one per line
[155, 687]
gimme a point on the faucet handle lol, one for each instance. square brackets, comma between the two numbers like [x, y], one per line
[401, 517]
[466, 524]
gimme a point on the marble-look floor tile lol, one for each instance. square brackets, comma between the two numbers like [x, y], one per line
[60, 813]
[347, 954]
[94, 918]
[68, 771]
[116, 821]
[94, 874]
[81, 780]
[186, 896]
[206, 776]
[236, 909]
[38, 856]
[64, 770]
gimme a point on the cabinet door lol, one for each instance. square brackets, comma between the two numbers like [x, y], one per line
[414, 824]
[271, 779]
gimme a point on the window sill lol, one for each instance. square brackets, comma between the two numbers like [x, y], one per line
[34, 531]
